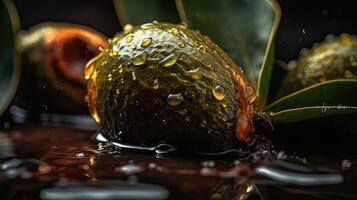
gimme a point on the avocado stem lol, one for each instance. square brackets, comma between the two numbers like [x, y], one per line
[245, 97]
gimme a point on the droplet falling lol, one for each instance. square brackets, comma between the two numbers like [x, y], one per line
[219, 92]
[156, 84]
[146, 42]
[169, 60]
[140, 59]
[175, 99]
[129, 38]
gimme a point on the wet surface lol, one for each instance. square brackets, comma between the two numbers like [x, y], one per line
[56, 162]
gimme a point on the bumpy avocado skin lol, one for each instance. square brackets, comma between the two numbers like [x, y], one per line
[130, 98]
[335, 58]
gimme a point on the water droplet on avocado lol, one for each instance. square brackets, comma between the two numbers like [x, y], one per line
[146, 42]
[110, 77]
[114, 51]
[155, 85]
[194, 74]
[175, 99]
[120, 70]
[181, 44]
[224, 104]
[202, 49]
[129, 39]
[219, 92]
[128, 28]
[174, 31]
[140, 59]
[147, 26]
[133, 76]
[169, 60]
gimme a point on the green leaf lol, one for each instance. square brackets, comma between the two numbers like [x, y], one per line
[278, 73]
[138, 12]
[9, 59]
[339, 92]
[306, 113]
[244, 29]
[265, 78]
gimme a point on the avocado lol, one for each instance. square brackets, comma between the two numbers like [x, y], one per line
[335, 58]
[161, 82]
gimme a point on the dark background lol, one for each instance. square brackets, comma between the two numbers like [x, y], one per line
[316, 18]
[303, 23]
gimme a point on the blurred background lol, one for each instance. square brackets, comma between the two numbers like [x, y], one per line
[303, 22]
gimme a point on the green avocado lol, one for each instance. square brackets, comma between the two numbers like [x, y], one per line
[335, 58]
[162, 82]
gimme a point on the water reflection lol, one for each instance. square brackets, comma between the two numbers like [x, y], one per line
[106, 189]
[65, 163]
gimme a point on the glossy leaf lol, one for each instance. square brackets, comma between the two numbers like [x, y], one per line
[306, 113]
[278, 73]
[243, 29]
[340, 92]
[142, 11]
[9, 62]
[265, 78]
